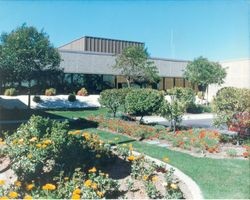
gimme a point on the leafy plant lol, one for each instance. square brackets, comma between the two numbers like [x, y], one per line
[82, 92]
[10, 92]
[229, 103]
[72, 97]
[37, 99]
[50, 92]
[112, 99]
[143, 102]
[231, 153]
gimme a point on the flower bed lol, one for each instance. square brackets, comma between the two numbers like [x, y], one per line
[52, 163]
[196, 140]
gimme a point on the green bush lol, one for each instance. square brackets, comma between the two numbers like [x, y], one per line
[36, 99]
[228, 102]
[10, 92]
[143, 102]
[72, 97]
[185, 95]
[82, 92]
[197, 108]
[111, 99]
[38, 141]
[122, 93]
[50, 92]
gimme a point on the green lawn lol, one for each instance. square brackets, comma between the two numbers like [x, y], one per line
[217, 178]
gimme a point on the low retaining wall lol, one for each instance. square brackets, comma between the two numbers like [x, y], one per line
[193, 189]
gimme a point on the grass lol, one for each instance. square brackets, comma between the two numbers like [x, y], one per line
[217, 178]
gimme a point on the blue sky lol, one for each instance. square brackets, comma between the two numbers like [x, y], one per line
[216, 29]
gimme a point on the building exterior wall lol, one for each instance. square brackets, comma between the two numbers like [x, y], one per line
[238, 75]
[102, 45]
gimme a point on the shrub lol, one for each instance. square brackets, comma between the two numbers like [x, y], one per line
[50, 92]
[173, 111]
[122, 93]
[230, 101]
[72, 97]
[112, 99]
[185, 95]
[10, 92]
[143, 102]
[82, 92]
[37, 99]
[197, 108]
[231, 153]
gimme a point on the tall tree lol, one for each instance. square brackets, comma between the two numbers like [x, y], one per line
[135, 66]
[203, 72]
[27, 53]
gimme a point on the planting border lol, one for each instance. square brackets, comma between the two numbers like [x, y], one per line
[191, 185]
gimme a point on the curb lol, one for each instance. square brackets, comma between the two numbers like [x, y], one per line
[190, 183]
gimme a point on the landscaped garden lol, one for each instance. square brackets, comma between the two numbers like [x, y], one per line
[92, 155]
[99, 146]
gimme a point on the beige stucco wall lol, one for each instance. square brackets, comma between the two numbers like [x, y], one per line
[238, 75]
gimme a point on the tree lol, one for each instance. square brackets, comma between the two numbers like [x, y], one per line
[173, 111]
[27, 54]
[142, 102]
[134, 64]
[203, 73]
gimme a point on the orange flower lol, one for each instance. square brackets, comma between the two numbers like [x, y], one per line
[13, 195]
[87, 183]
[100, 194]
[2, 182]
[49, 186]
[30, 186]
[131, 158]
[77, 191]
[94, 186]
[17, 183]
[27, 197]
[245, 154]
[92, 170]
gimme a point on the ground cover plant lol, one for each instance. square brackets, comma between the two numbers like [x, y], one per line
[52, 162]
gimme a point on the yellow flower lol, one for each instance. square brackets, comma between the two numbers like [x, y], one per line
[44, 146]
[20, 141]
[130, 147]
[17, 183]
[30, 186]
[87, 183]
[2, 182]
[98, 156]
[29, 155]
[33, 139]
[1, 141]
[131, 158]
[47, 142]
[154, 178]
[173, 186]
[38, 145]
[86, 135]
[13, 195]
[77, 191]
[4, 198]
[49, 186]
[165, 159]
[94, 186]
[92, 170]
[145, 177]
[76, 196]
[100, 194]
[27, 197]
